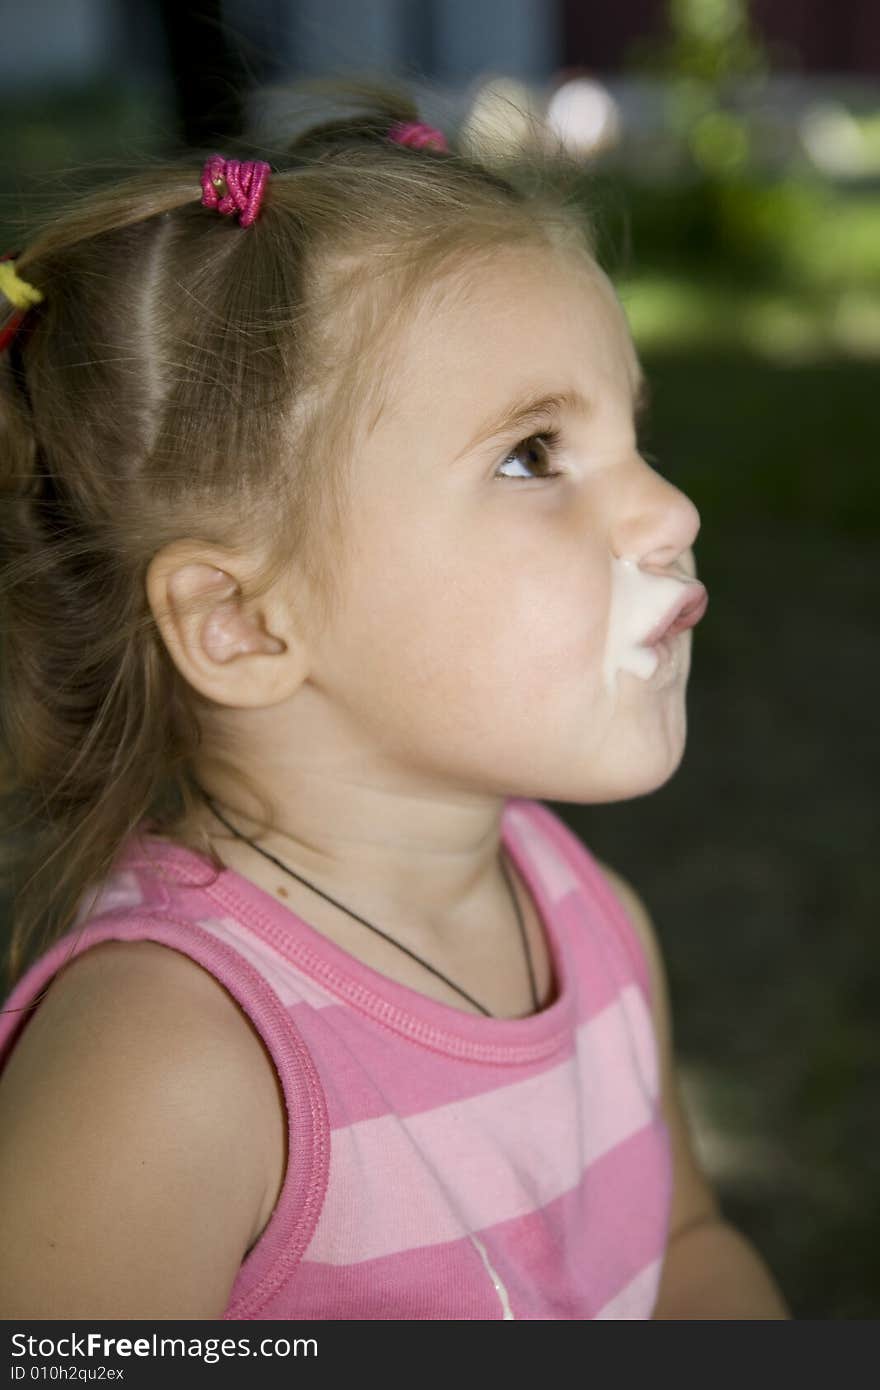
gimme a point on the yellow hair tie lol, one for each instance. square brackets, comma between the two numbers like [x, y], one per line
[17, 291]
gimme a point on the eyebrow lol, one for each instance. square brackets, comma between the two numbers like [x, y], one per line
[537, 405]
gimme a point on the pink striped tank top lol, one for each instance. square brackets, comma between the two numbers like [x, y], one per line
[442, 1165]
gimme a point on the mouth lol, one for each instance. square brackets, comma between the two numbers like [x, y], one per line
[686, 613]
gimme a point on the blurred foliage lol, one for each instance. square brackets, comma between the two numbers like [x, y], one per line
[786, 269]
[707, 52]
[789, 231]
[751, 441]
[56, 139]
[710, 41]
[786, 266]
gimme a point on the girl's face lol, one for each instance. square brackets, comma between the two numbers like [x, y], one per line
[467, 654]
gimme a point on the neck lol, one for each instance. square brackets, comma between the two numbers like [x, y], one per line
[434, 870]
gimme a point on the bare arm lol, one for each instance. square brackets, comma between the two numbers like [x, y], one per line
[131, 1172]
[712, 1271]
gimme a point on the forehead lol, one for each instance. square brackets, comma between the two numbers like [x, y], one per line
[527, 317]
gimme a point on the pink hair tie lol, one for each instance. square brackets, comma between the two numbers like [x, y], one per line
[234, 185]
[418, 135]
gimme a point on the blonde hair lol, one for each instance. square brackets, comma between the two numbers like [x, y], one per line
[186, 377]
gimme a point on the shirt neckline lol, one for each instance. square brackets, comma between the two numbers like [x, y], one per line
[404, 1010]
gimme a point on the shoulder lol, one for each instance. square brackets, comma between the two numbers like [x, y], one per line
[637, 915]
[693, 1199]
[133, 1113]
[643, 926]
[162, 1009]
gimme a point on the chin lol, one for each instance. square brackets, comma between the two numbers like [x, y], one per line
[594, 787]
[636, 776]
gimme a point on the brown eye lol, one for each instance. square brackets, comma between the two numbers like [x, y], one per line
[536, 452]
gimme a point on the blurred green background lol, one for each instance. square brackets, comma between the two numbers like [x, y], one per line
[754, 299]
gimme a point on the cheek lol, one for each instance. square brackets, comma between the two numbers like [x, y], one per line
[509, 626]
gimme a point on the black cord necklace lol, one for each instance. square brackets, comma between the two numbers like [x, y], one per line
[365, 923]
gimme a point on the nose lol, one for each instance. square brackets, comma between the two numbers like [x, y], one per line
[653, 519]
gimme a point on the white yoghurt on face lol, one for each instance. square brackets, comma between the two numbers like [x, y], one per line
[639, 601]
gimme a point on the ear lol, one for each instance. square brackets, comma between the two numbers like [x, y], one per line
[235, 651]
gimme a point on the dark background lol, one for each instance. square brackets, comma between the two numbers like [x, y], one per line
[738, 207]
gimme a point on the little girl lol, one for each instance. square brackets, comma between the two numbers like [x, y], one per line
[328, 555]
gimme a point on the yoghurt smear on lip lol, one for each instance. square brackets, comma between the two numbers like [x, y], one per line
[640, 600]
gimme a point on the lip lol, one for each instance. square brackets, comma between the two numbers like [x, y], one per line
[687, 612]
